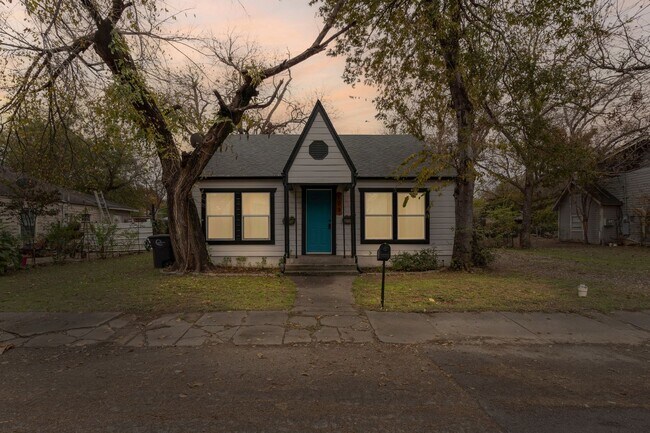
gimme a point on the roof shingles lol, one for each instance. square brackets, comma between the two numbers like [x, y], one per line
[374, 156]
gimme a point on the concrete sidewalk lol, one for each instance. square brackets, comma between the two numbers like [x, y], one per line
[324, 312]
[306, 327]
[503, 327]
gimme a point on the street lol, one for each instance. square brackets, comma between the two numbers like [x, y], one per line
[327, 387]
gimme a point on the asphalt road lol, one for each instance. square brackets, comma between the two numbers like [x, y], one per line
[327, 387]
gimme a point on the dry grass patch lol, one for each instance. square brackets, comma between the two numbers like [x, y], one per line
[130, 284]
[544, 279]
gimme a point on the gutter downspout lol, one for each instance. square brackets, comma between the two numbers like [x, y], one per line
[286, 222]
[353, 214]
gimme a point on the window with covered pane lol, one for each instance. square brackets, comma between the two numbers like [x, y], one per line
[411, 216]
[378, 215]
[220, 215]
[239, 216]
[394, 216]
[256, 216]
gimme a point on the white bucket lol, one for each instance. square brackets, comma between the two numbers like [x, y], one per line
[582, 291]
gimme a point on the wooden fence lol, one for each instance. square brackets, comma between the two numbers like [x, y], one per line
[125, 237]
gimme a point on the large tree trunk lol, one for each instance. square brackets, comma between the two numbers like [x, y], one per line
[180, 170]
[585, 202]
[185, 230]
[526, 214]
[465, 157]
[464, 206]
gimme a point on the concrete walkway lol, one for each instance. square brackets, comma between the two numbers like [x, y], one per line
[324, 312]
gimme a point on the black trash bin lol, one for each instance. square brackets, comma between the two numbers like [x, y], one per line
[163, 255]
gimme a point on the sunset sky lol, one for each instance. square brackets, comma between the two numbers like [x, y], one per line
[279, 26]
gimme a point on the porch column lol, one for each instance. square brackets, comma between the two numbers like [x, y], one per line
[286, 220]
[353, 215]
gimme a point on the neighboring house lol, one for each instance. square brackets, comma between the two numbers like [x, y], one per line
[264, 198]
[72, 204]
[618, 205]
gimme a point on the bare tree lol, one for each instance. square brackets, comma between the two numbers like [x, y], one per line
[125, 40]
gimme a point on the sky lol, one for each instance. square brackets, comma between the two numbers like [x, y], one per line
[278, 27]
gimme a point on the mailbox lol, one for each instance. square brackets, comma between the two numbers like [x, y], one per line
[383, 253]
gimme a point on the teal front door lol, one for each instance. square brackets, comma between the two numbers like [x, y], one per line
[318, 218]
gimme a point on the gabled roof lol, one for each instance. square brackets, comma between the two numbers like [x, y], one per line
[597, 192]
[265, 156]
[67, 195]
[318, 109]
[631, 156]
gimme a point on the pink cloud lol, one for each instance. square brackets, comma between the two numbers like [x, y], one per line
[281, 26]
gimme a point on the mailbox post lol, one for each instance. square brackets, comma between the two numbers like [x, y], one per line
[383, 254]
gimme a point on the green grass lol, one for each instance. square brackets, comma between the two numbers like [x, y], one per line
[130, 284]
[596, 258]
[544, 279]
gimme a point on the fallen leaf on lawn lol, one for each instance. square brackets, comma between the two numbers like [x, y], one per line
[195, 384]
[182, 395]
[5, 347]
[433, 301]
[260, 355]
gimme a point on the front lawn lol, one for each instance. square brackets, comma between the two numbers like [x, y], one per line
[131, 284]
[541, 279]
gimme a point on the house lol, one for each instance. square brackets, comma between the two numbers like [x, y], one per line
[320, 197]
[617, 206]
[72, 204]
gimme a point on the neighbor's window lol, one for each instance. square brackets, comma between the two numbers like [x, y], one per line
[220, 215]
[378, 215]
[256, 215]
[411, 219]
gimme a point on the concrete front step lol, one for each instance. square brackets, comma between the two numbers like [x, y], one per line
[320, 265]
[321, 260]
[320, 270]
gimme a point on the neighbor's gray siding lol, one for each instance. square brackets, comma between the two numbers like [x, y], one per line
[442, 222]
[64, 213]
[633, 189]
[564, 219]
[594, 223]
[332, 169]
[610, 234]
[253, 254]
[598, 215]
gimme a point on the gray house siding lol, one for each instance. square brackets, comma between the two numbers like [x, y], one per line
[285, 163]
[633, 189]
[249, 254]
[442, 222]
[333, 169]
[599, 230]
[564, 220]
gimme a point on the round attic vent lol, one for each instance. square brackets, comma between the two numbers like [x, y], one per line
[318, 149]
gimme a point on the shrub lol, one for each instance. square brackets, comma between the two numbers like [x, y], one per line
[160, 227]
[9, 252]
[63, 239]
[104, 238]
[500, 223]
[482, 255]
[423, 260]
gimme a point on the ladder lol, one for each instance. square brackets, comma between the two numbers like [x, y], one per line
[104, 215]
